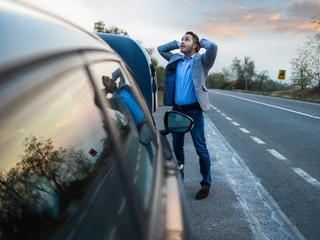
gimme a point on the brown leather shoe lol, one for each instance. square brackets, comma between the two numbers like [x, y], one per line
[203, 193]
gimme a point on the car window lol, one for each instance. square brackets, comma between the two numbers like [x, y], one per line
[57, 177]
[119, 94]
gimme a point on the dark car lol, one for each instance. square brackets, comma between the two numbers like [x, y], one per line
[81, 157]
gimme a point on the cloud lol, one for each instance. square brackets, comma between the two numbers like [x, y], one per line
[304, 9]
[237, 21]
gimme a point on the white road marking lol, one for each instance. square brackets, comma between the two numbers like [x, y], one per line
[257, 140]
[276, 154]
[135, 179]
[218, 111]
[235, 123]
[306, 177]
[244, 130]
[222, 114]
[248, 189]
[123, 204]
[269, 105]
[228, 118]
[71, 234]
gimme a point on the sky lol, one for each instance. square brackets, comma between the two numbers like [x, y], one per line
[267, 31]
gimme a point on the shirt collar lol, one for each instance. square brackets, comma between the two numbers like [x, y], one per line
[191, 57]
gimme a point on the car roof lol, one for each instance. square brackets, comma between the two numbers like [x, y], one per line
[22, 25]
[29, 34]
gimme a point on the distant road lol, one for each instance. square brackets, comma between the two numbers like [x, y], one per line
[279, 141]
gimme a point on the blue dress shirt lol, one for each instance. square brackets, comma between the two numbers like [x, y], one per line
[184, 93]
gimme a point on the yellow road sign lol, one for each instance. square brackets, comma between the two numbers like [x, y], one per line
[282, 74]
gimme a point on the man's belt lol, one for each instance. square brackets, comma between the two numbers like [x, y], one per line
[191, 106]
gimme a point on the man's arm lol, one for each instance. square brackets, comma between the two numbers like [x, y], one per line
[210, 55]
[116, 74]
[165, 50]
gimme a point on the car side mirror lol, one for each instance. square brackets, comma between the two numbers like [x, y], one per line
[176, 122]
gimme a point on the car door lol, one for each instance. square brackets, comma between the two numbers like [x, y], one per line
[59, 157]
[141, 165]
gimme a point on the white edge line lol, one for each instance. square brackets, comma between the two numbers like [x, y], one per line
[269, 105]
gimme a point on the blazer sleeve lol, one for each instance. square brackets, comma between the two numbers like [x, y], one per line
[210, 54]
[165, 50]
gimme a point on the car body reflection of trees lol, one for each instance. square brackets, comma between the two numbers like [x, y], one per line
[45, 185]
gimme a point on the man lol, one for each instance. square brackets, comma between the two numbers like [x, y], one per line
[127, 98]
[188, 71]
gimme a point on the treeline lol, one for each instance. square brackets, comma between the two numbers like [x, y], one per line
[305, 67]
[242, 75]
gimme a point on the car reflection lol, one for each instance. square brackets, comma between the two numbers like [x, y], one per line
[40, 193]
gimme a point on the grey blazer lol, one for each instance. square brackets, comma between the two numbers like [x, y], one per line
[200, 66]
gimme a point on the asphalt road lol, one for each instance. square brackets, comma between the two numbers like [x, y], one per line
[265, 166]
[278, 140]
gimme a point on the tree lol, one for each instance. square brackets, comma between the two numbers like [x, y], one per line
[227, 74]
[159, 69]
[306, 66]
[216, 80]
[316, 23]
[154, 61]
[116, 30]
[160, 77]
[302, 73]
[14, 193]
[244, 72]
[100, 27]
[314, 44]
[60, 167]
[260, 79]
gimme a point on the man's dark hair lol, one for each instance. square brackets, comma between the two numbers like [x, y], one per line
[195, 39]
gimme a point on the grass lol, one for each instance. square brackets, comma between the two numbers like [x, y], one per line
[308, 95]
[160, 98]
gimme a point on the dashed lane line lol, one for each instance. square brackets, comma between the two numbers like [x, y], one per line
[244, 130]
[307, 177]
[236, 124]
[277, 155]
[257, 140]
[256, 202]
